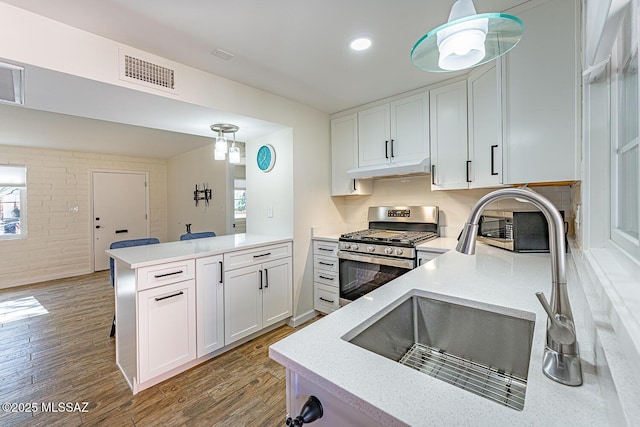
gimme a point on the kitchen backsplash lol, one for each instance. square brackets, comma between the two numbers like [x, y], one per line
[454, 205]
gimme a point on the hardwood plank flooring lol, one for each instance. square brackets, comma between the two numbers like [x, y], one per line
[55, 347]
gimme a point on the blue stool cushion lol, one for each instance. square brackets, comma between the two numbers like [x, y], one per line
[202, 234]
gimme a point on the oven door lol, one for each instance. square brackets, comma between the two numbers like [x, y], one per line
[361, 274]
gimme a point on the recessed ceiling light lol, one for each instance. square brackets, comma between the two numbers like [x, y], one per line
[360, 43]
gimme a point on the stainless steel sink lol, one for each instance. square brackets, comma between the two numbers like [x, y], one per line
[481, 348]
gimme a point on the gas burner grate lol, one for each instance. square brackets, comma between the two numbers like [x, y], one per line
[390, 236]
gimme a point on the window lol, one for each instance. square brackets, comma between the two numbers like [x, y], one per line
[239, 199]
[625, 141]
[12, 202]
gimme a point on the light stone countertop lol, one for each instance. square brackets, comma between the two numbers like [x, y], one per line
[142, 256]
[393, 394]
[441, 244]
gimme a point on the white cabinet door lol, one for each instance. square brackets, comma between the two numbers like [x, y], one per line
[448, 113]
[374, 134]
[210, 304]
[277, 300]
[242, 302]
[167, 328]
[410, 128]
[485, 127]
[542, 86]
[344, 156]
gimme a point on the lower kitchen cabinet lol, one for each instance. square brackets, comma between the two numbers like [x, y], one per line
[166, 328]
[176, 309]
[210, 304]
[326, 280]
[256, 297]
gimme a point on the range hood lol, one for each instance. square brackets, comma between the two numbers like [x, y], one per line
[422, 167]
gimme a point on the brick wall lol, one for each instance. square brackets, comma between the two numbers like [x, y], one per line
[59, 239]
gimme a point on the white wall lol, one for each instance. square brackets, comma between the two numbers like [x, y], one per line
[59, 241]
[184, 172]
[271, 190]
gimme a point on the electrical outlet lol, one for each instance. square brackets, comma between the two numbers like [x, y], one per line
[270, 212]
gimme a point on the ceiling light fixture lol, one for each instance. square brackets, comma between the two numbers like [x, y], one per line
[467, 39]
[221, 144]
[360, 43]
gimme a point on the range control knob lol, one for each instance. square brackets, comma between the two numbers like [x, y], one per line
[371, 248]
[346, 246]
[388, 251]
[399, 251]
[355, 247]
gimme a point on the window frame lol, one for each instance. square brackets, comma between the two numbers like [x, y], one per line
[23, 206]
[629, 244]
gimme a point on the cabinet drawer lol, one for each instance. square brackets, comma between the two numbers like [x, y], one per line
[325, 263]
[326, 277]
[244, 258]
[166, 273]
[325, 248]
[326, 298]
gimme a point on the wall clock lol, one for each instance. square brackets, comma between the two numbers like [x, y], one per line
[266, 158]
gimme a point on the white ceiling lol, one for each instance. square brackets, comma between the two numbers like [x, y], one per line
[293, 48]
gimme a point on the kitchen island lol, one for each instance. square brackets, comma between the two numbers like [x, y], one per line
[359, 387]
[179, 304]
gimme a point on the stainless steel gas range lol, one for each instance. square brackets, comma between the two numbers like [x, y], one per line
[387, 249]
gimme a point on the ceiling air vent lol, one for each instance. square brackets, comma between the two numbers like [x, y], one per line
[148, 73]
[11, 83]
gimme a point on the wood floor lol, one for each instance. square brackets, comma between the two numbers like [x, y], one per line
[65, 355]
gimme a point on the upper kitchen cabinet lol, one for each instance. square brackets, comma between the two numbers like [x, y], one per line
[448, 114]
[542, 98]
[344, 156]
[466, 132]
[485, 126]
[394, 132]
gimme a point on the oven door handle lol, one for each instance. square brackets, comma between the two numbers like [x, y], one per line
[373, 259]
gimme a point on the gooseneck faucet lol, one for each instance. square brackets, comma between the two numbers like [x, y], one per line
[561, 361]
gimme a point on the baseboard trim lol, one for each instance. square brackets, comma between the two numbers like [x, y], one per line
[294, 322]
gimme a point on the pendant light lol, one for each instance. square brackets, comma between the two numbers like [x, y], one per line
[234, 152]
[467, 39]
[221, 145]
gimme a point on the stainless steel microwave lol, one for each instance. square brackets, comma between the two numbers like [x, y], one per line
[518, 231]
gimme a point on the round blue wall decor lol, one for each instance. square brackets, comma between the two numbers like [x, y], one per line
[266, 158]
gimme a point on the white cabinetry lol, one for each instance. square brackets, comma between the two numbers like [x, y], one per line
[325, 276]
[485, 126]
[344, 156]
[542, 102]
[210, 304]
[448, 113]
[167, 328]
[394, 132]
[258, 289]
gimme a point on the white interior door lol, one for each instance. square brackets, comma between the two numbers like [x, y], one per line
[119, 211]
